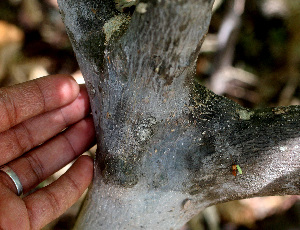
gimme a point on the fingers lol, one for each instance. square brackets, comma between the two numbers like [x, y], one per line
[50, 202]
[37, 130]
[25, 124]
[40, 163]
[39, 208]
[20, 102]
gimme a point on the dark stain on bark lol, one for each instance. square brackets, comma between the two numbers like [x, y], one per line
[119, 171]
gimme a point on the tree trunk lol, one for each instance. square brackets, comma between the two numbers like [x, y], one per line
[166, 145]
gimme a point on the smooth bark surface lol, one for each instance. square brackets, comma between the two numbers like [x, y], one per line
[166, 145]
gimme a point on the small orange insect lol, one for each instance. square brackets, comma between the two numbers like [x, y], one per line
[235, 169]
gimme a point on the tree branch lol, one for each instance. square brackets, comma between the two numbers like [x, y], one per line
[166, 145]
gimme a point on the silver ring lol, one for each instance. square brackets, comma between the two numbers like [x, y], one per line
[13, 176]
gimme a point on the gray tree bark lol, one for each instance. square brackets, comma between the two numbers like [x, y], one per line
[166, 144]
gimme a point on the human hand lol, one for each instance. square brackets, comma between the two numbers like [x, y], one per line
[32, 116]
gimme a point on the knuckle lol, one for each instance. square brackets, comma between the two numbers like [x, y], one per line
[7, 109]
[36, 166]
[74, 185]
[23, 137]
[54, 204]
[69, 143]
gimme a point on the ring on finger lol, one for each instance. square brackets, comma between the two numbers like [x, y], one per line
[13, 176]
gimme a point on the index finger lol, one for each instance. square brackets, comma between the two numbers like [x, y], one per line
[23, 101]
